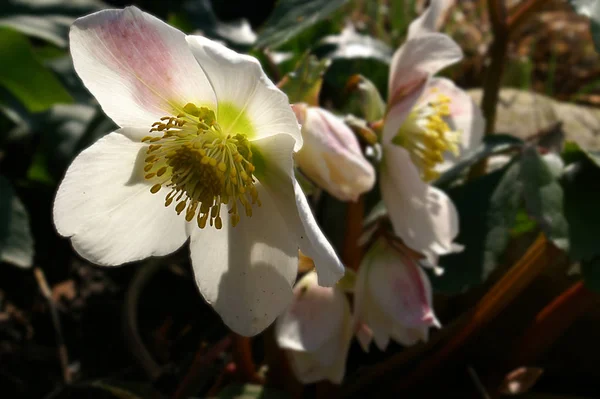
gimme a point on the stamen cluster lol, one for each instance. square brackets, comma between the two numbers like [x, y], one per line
[204, 167]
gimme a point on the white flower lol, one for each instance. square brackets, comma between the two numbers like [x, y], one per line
[204, 150]
[429, 121]
[331, 155]
[392, 299]
[316, 331]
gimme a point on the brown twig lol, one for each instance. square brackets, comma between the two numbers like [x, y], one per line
[547, 327]
[242, 356]
[189, 385]
[523, 12]
[352, 252]
[63, 354]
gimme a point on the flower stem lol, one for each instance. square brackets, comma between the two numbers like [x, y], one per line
[242, 356]
[352, 252]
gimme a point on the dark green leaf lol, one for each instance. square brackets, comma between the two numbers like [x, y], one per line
[582, 204]
[364, 100]
[590, 269]
[290, 17]
[198, 16]
[23, 75]
[572, 152]
[544, 197]
[48, 20]
[491, 145]
[16, 242]
[487, 208]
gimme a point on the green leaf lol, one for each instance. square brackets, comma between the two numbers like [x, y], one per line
[591, 9]
[544, 197]
[198, 15]
[23, 75]
[572, 152]
[590, 270]
[304, 83]
[16, 241]
[290, 17]
[48, 20]
[491, 145]
[582, 204]
[364, 99]
[487, 208]
[351, 44]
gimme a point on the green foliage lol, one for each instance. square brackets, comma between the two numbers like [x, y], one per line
[25, 77]
[291, 17]
[48, 20]
[16, 241]
[544, 197]
[487, 208]
[304, 83]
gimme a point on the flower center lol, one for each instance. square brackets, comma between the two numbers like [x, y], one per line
[203, 167]
[426, 135]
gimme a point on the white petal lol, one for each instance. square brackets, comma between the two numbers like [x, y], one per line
[409, 336]
[418, 59]
[246, 272]
[327, 361]
[331, 156]
[368, 319]
[105, 206]
[242, 86]
[278, 179]
[465, 116]
[398, 113]
[431, 18]
[401, 289]
[139, 68]
[314, 316]
[422, 215]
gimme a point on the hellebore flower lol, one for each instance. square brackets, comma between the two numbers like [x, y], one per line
[316, 331]
[331, 155]
[204, 150]
[428, 122]
[392, 299]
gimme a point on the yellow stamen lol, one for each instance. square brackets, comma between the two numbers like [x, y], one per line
[204, 167]
[427, 136]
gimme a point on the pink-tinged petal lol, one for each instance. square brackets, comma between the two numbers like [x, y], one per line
[277, 176]
[369, 322]
[398, 113]
[409, 336]
[331, 156]
[313, 317]
[138, 68]
[242, 86]
[423, 216]
[401, 289]
[465, 116]
[246, 272]
[105, 206]
[418, 59]
[431, 19]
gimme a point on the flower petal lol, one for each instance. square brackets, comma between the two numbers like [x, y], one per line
[418, 59]
[331, 156]
[246, 272]
[277, 176]
[313, 317]
[422, 215]
[401, 289]
[431, 18]
[465, 116]
[139, 68]
[105, 206]
[398, 113]
[242, 86]
[329, 361]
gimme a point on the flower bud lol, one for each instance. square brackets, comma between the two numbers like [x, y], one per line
[392, 299]
[315, 331]
[331, 155]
